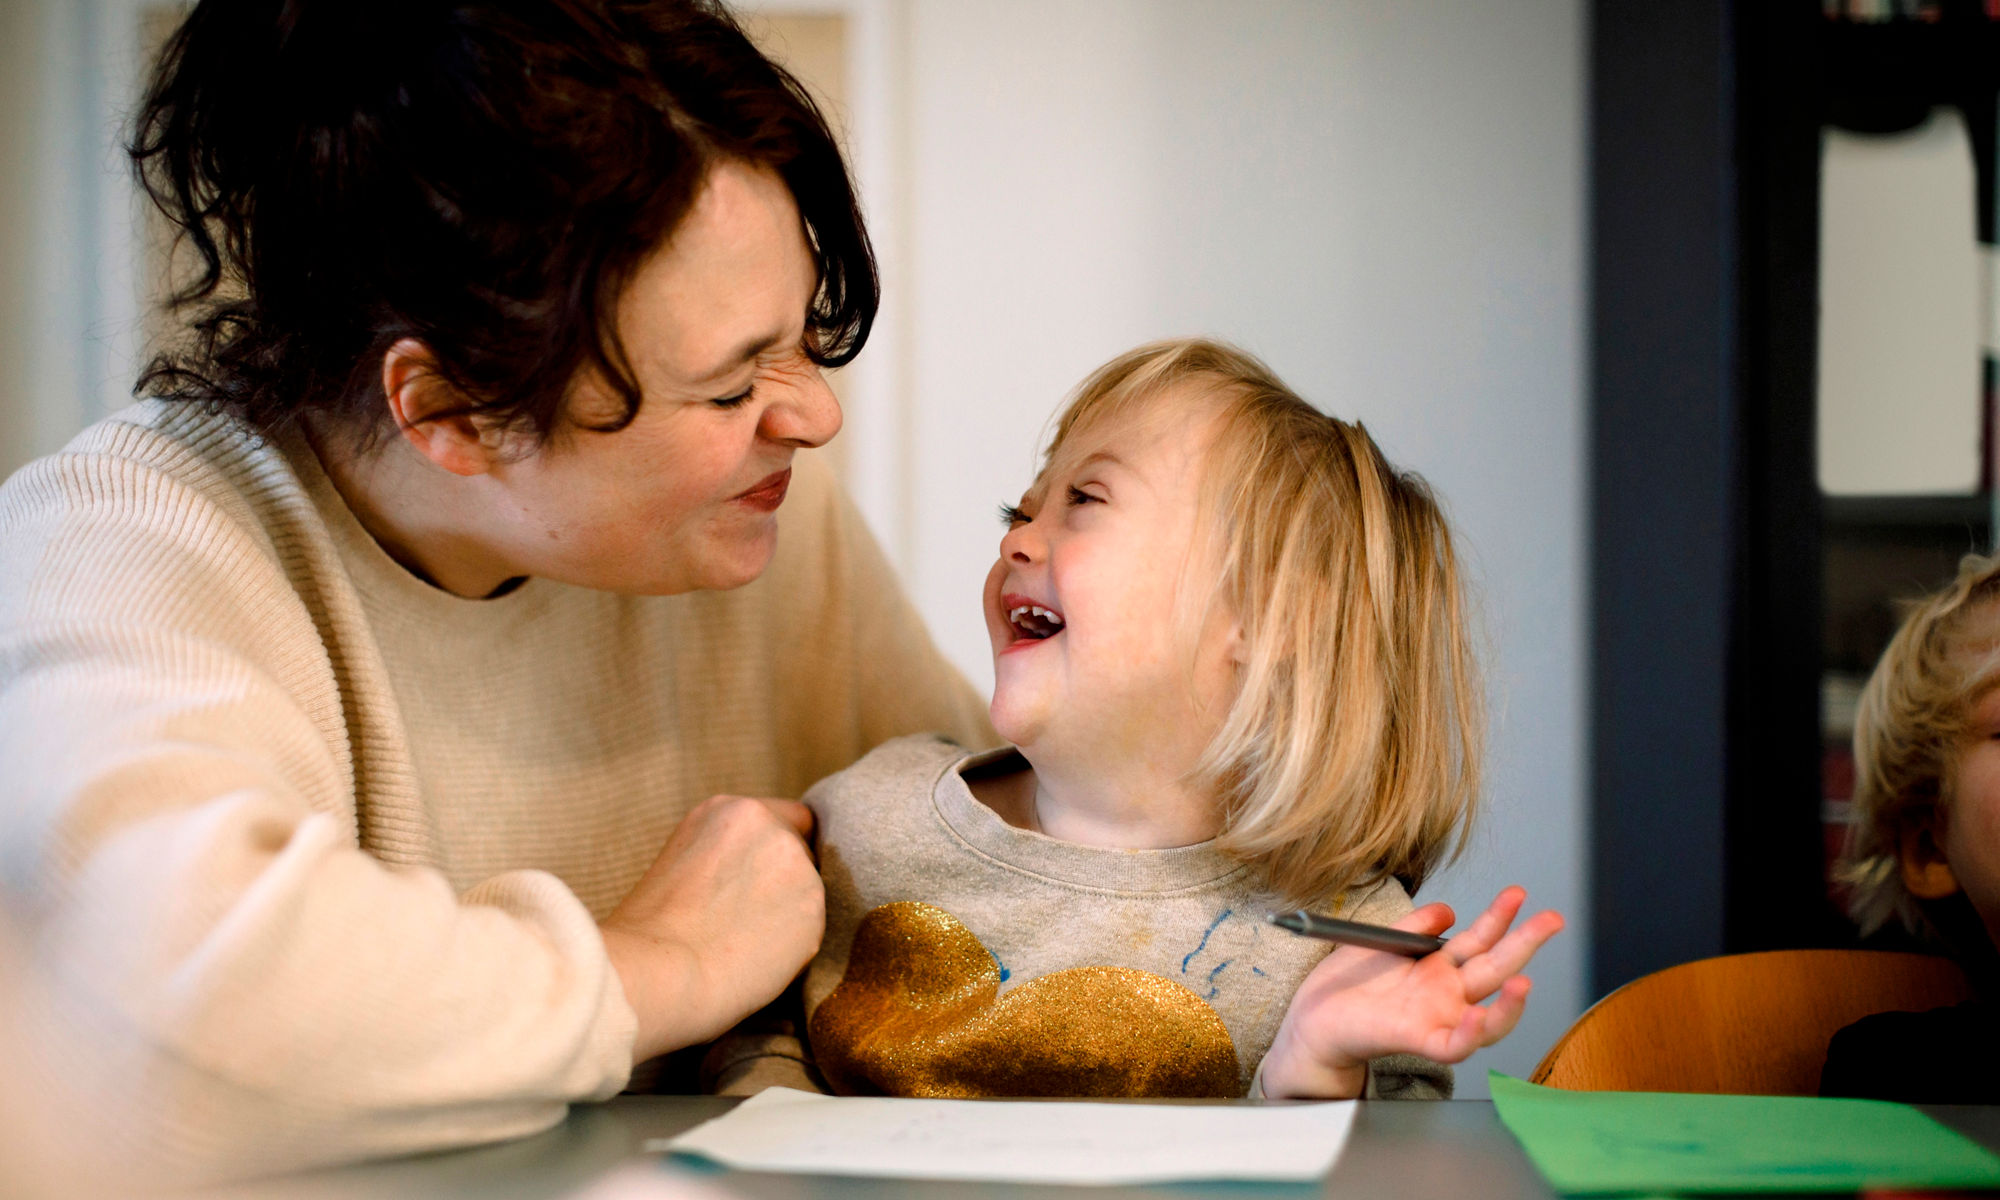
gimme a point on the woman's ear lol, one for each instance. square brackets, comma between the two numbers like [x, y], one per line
[1926, 874]
[430, 415]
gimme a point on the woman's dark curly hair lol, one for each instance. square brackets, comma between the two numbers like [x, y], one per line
[481, 175]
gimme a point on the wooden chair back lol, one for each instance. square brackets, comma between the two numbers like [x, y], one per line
[1751, 1024]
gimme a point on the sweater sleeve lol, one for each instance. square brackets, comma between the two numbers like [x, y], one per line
[180, 840]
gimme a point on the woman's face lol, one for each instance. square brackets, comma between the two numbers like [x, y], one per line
[686, 496]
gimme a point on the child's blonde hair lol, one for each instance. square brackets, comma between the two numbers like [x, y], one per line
[1909, 732]
[1351, 751]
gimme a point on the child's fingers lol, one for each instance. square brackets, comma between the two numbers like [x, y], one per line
[1482, 973]
[1480, 1027]
[1463, 1038]
[1432, 919]
[1486, 929]
[1505, 1012]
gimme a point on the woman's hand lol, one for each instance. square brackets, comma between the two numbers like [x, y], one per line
[726, 916]
[1362, 1004]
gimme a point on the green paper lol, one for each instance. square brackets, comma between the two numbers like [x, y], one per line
[1624, 1143]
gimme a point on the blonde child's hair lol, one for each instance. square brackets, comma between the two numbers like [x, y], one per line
[1909, 731]
[1351, 751]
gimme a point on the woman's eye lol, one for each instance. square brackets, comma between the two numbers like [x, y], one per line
[735, 401]
[1078, 496]
[1011, 516]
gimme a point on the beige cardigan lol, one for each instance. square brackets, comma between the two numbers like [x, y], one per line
[312, 852]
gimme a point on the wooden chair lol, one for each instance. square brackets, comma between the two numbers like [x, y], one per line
[1754, 1024]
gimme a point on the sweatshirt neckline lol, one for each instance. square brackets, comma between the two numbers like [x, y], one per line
[1103, 868]
[376, 572]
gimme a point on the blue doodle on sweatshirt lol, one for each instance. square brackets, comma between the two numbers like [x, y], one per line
[1213, 989]
[1206, 934]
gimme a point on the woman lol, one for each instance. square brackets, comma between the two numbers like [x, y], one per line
[360, 694]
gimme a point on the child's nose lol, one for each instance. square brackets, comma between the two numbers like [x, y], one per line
[1021, 544]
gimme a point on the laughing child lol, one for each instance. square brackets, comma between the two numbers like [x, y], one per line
[1230, 655]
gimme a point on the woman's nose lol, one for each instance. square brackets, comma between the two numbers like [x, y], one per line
[807, 415]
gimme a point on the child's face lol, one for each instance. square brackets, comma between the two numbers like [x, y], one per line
[1971, 834]
[1103, 543]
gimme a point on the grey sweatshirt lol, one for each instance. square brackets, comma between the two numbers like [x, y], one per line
[964, 956]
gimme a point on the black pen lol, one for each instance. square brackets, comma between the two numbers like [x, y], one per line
[1355, 933]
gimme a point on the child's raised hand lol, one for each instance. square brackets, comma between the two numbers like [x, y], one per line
[1362, 1004]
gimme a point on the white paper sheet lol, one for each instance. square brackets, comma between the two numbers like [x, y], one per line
[1016, 1141]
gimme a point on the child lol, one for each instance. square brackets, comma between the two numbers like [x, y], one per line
[1924, 848]
[1229, 651]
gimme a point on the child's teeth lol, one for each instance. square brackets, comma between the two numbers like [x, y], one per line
[1024, 612]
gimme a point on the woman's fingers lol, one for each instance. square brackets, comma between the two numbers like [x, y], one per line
[792, 813]
[728, 913]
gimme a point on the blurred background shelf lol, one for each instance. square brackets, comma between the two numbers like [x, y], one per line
[1737, 607]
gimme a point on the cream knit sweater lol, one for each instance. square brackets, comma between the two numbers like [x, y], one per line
[314, 851]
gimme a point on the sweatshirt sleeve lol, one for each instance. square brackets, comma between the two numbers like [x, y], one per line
[179, 840]
[767, 1049]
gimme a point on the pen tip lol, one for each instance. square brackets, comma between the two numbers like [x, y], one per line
[1285, 920]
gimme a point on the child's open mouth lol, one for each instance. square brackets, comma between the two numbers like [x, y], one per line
[1032, 622]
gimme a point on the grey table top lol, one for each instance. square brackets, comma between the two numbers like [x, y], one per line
[1452, 1148]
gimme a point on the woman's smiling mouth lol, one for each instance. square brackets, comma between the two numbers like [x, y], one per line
[769, 492]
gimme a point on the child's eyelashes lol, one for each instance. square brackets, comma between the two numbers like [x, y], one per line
[1012, 515]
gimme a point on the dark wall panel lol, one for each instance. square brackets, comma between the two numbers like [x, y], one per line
[1662, 455]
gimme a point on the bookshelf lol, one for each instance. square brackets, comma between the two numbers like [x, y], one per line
[1735, 606]
[1883, 70]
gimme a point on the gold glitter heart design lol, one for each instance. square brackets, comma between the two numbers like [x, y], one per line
[918, 1013]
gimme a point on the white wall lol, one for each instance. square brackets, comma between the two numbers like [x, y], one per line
[69, 298]
[20, 86]
[1384, 200]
